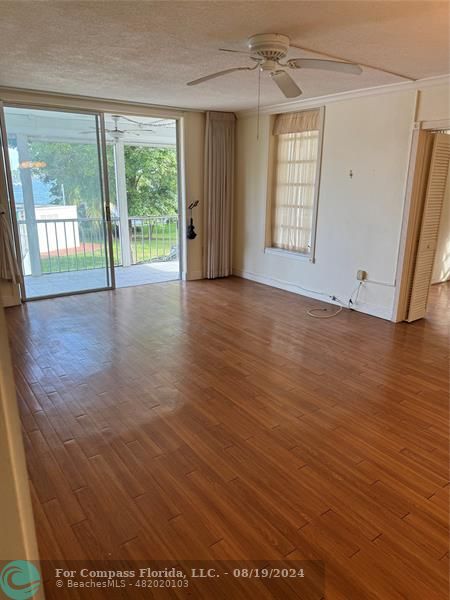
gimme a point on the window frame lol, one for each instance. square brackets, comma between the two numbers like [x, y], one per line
[271, 187]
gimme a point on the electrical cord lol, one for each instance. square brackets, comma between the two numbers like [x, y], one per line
[315, 312]
[318, 313]
[357, 290]
[324, 313]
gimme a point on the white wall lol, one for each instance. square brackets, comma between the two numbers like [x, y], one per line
[434, 103]
[441, 269]
[193, 148]
[359, 218]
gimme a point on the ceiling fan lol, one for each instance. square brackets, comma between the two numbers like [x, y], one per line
[267, 50]
[137, 128]
[117, 133]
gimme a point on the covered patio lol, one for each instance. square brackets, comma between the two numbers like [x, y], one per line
[56, 168]
[67, 282]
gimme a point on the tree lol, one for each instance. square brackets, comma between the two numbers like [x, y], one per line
[151, 176]
[74, 168]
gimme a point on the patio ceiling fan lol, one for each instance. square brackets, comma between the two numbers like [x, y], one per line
[117, 134]
[267, 50]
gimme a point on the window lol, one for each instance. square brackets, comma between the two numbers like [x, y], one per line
[295, 178]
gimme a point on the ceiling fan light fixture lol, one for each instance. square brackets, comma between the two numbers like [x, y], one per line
[271, 46]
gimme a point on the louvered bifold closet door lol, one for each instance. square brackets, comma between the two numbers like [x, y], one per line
[434, 199]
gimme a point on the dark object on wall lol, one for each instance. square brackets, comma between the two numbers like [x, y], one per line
[190, 231]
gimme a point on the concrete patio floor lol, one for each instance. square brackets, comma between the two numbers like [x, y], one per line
[74, 281]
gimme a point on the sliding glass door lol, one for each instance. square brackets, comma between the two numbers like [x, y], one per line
[60, 200]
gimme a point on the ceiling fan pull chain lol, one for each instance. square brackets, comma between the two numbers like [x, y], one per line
[259, 103]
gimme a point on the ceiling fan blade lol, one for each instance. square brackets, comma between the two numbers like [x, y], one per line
[328, 65]
[286, 84]
[139, 130]
[235, 51]
[219, 74]
[342, 58]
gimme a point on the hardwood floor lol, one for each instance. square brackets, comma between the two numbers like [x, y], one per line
[215, 420]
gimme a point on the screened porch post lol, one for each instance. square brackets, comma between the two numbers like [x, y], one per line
[28, 204]
[122, 202]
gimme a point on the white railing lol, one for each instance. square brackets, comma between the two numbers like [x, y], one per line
[79, 244]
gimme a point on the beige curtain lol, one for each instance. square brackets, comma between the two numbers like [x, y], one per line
[297, 146]
[306, 120]
[218, 197]
[9, 268]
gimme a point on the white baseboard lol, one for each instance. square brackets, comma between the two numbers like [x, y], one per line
[9, 294]
[7, 301]
[370, 309]
[192, 275]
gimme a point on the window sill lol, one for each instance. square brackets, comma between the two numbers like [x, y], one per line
[289, 254]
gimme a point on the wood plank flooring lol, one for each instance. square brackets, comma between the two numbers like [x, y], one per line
[215, 420]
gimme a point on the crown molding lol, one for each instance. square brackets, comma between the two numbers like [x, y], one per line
[60, 100]
[350, 95]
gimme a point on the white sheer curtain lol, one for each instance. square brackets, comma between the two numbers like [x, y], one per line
[219, 189]
[295, 179]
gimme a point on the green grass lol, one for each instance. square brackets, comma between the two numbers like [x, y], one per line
[143, 249]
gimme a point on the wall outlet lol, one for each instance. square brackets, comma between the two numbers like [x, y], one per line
[361, 275]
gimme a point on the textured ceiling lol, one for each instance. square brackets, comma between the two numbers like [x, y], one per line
[146, 51]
